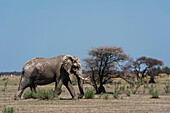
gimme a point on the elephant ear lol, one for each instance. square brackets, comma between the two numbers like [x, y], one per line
[67, 63]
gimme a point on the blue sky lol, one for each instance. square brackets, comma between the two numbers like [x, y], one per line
[47, 28]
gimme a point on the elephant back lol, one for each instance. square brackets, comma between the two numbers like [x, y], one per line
[33, 61]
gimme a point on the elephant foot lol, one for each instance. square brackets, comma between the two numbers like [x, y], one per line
[17, 98]
[80, 96]
[74, 98]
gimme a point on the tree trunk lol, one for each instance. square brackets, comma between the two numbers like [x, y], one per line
[152, 79]
[94, 82]
[101, 89]
[137, 76]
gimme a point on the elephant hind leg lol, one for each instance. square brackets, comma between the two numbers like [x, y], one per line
[25, 82]
[33, 87]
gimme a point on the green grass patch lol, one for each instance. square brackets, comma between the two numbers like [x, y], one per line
[89, 94]
[155, 94]
[106, 96]
[127, 93]
[8, 110]
[40, 94]
[167, 88]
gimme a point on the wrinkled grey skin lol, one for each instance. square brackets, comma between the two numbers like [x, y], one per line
[41, 71]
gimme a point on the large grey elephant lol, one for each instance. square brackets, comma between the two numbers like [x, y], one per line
[41, 71]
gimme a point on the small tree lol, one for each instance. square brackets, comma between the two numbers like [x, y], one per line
[147, 66]
[166, 70]
[102, 63]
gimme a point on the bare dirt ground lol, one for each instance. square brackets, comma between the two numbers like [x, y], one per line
[138, 103]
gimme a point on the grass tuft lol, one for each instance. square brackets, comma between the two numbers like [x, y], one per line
[154, 94]
[116, 92]
[8, 110]
[127, 93]
[167, 88]
[89, 94]
[106, 96]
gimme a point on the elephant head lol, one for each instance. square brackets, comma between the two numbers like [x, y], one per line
[72, 65]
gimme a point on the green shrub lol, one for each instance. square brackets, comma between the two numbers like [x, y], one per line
[89, 94]
[146, 86]
[5, 79]
[8, 110]
[127, 92]
[116, 92]
[122, 88]
[152, 88]
[154, 94]
[128, 87]
[134, 89]
[106, 96]
[28, 94]
[5, 86]
[40, 94]
[141, 82]
[167, 88]
[100, 96]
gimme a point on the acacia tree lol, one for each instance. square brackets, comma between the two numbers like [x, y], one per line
[102, 63]
[147, 67]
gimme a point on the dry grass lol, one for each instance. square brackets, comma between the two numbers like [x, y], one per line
[140, 103]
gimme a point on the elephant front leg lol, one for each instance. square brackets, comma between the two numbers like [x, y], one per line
[70, 88]
[58, 86]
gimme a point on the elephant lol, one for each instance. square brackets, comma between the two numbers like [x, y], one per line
[42, 71]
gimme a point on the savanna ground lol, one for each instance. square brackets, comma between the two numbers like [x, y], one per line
[139, 103]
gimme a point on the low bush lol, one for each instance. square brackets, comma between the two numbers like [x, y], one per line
[154, 94]
[5, 86]
[134, 89]
[152, 88]
[127, 92]
[116, 92]
[89, 94]
[28, 94]
[106, 96]
[8, 110]
[167, 88]
[5, 79]
[40, 94]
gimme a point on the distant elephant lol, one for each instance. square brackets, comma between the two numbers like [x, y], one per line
[41, 71]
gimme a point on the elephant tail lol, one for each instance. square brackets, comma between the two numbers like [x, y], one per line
[22, 74]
